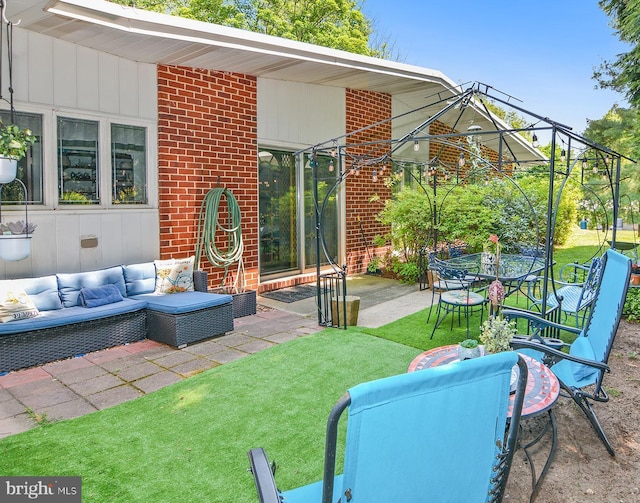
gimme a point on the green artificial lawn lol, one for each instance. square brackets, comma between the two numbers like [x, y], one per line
[583, 245]
[188, 442]
[414, 331]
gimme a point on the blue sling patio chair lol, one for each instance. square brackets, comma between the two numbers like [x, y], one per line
[581, 370]
[438, 434]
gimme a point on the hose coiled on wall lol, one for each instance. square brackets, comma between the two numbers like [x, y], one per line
[209, 225]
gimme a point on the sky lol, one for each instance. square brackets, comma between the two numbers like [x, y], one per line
[543, 52]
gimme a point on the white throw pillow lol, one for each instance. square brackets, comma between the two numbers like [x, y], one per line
[174, 275]
[15, 304]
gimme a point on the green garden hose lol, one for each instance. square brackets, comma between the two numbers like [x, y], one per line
[209, 225]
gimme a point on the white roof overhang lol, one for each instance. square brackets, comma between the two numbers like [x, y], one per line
[155, 38]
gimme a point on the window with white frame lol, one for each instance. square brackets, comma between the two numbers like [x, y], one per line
[128, 164]
[78, 161]
[30, 167]
[79, 170]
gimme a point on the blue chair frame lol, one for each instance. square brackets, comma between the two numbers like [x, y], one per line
[439, 434]
[581, 370]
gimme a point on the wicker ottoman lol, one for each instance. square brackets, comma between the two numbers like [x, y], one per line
[184, 318]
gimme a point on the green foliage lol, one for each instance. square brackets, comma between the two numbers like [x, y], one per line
[407, 271]
[511, 117]
[469, 343]
[537, 190]
[409, 217]
[73, 197]
[619, 129]
[40, 419]
[374, 265]
[622, 74]
[631, 308]
[15, 141]
[465, 214]
[496, 334]
[473, 212]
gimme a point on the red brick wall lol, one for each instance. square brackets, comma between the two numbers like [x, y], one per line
[450, 155]
[365, 108]
[207, 137]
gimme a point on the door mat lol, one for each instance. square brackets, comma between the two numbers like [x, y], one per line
[291, 294]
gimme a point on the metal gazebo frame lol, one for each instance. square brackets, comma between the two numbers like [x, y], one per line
[488, 142]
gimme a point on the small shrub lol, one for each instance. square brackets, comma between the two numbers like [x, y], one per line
[374, 265]
[496, 334]
[631, 309]
[407, 271]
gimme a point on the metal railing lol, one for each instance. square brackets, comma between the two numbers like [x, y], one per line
[332, 304]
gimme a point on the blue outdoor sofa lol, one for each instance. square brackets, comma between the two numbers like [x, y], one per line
[124, 309]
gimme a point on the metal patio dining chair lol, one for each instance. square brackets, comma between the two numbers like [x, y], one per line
[457, 294]
[440, 434]
[447, 278]
[578, 284]
[581, 370]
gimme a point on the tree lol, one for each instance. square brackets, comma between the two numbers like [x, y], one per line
[619, 130]
[511, 117]
[338, 24]
[623, 74]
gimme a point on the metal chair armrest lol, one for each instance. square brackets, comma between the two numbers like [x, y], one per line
[564, 280]
[263, 476]
[556, 354]
[538, 321]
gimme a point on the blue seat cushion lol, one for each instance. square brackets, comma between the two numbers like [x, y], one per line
[70, 284]
[140, 278]
[68, 315]
[42, 291]
[183, 302]
[461, 298]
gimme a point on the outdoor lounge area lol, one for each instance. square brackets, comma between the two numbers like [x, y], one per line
[186, 403]
[404, 238]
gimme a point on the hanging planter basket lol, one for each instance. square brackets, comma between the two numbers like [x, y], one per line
[15, 237]
[15, 247]
[8, 169]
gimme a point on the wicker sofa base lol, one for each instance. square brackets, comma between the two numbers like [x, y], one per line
[28, 349]
[179, 330]
[244, 304]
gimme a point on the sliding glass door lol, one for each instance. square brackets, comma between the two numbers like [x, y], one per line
[287, 216]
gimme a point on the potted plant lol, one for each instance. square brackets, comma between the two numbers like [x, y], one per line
[496, 334]
[15, 239]
[634, 279]
[468, 349]
[14, 143]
